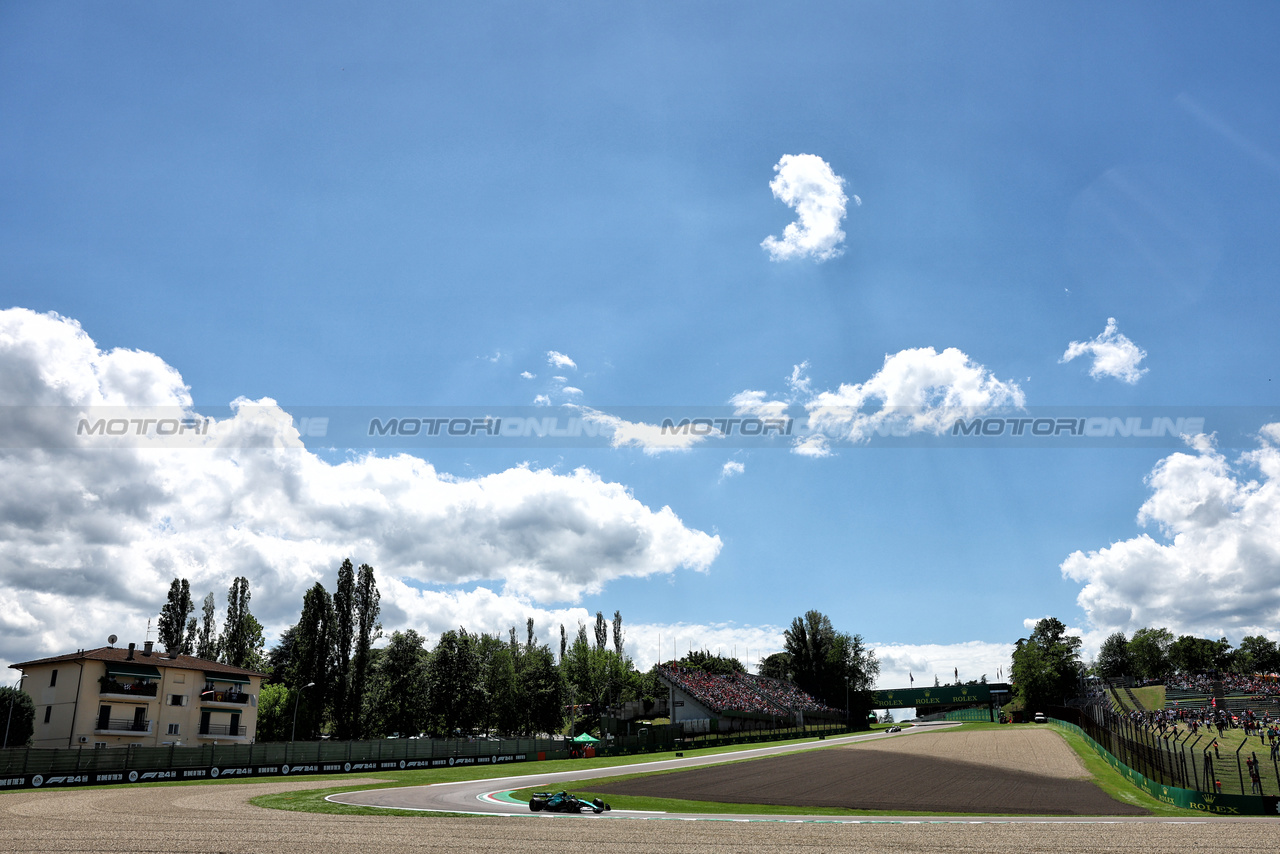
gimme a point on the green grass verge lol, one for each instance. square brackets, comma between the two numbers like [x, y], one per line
[1151, 697]
[1113, 782]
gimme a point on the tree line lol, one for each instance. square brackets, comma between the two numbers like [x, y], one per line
[1154, 653]
[325, 676]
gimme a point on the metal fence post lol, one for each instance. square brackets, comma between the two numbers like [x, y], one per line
[1240, 770]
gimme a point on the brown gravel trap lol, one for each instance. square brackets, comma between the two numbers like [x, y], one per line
[1026, 772]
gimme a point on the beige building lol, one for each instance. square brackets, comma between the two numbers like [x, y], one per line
[114, 697]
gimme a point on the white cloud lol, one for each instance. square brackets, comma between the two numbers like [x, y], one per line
[526, 375]
[731, 468]
[807, 184]
[812, 446]
[542, 400]
[560, 360]
[571, 390]
[916, 391]
[91, 535]
[1214, 569]
[756, 404]
[749, 643]
[799, 381]
[650, 438]
[1114, 355]
[900, 661]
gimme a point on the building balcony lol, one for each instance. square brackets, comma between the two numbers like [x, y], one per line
[121, 726]
[222, 731]
[129, 690]
[236, 698]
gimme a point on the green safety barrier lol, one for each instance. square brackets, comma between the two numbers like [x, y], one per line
[1206, 802]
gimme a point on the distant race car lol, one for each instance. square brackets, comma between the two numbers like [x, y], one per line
[564, 802]
[894, 728]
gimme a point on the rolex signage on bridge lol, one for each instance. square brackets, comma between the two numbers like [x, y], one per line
[921, 698]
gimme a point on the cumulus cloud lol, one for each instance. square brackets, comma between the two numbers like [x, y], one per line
[91, 534]
[560, 360]
[527, 375]
[1114, 355]
[650, 438]
[1213, 568]
[900, 661]
[807, 184]
[915, 391]
[731, 468]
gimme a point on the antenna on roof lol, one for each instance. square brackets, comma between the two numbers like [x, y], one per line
[111, 639]
[148, 635]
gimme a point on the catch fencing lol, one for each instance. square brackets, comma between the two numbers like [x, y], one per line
[1180, 759]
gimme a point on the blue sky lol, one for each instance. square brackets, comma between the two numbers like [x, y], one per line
[414, 205]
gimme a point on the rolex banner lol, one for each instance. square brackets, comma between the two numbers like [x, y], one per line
[922, 698]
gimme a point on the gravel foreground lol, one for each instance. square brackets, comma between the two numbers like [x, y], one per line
[1022, 771]
[218, 818]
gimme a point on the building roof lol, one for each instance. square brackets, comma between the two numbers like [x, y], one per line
[112, 654]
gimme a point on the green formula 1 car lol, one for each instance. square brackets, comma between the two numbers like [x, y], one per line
[564, 802]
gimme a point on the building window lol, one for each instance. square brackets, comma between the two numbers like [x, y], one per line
[177, 699]
[98, 745]
[173, 729]
[48, 713]
[53, 678]
[179, 678]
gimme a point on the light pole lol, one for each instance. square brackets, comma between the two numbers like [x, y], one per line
[847, 721]
[296, 698]
[12, 698]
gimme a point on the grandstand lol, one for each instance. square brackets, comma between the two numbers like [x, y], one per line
[724, 703]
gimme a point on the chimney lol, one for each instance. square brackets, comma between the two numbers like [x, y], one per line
[146, 647]
[129, 657]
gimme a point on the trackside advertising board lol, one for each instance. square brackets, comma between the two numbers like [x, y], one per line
[97, 778]
[922, 698]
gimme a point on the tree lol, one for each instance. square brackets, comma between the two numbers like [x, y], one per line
[368, 606]
[311, 659]
[344, 617]
[241, 640]
[505, 710]
[1046, 666]
[455, 691]
[399, 686]
[617, 633]
[1113, 657]
[207, 641]
[275, 706]
[1190, 654]
[18, 711]
[172, 626]
[543, 692]
[1149, 652]
[1256, 654]
[776, 666]
[602, 631]
[562, 643]
[830, 665]
[707, 662]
